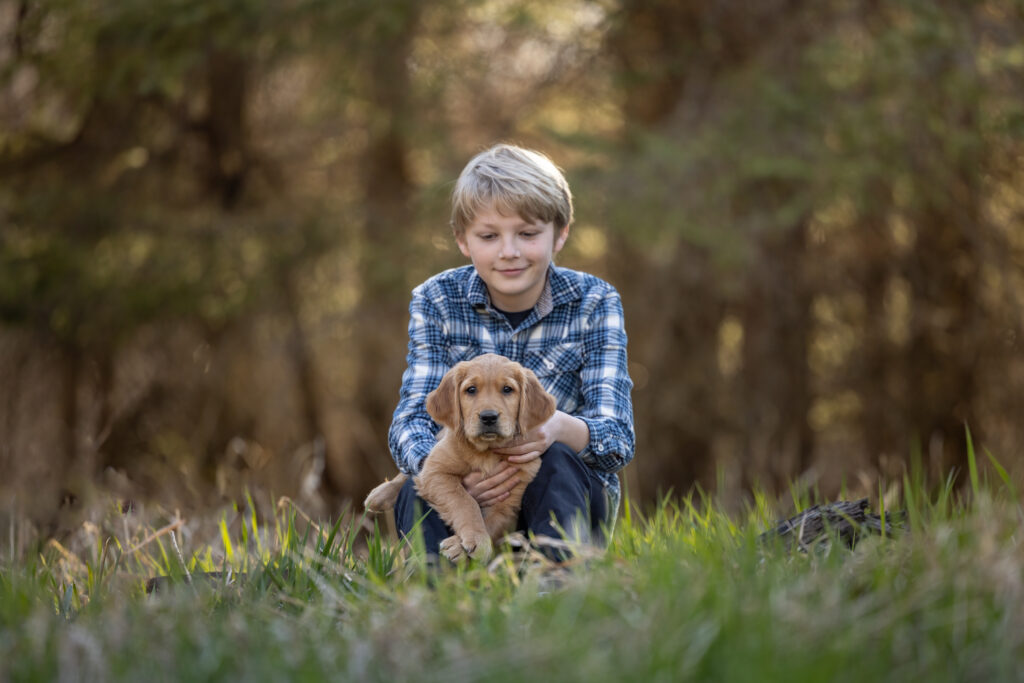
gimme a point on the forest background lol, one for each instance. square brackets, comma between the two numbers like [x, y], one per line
[212, 215]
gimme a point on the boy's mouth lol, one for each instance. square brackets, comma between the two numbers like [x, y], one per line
[509, 272]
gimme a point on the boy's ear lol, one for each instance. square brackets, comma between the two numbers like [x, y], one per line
[536, 406]
[443, 404]
[463, 246]
[560, 239]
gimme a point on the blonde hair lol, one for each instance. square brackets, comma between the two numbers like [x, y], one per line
[515, 181]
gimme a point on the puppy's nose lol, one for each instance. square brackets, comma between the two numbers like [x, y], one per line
[489, 418]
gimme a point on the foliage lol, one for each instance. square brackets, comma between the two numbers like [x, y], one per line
[811, 210]
[824, 188]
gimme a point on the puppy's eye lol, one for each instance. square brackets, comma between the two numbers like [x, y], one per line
[470, 390]
[507, 389]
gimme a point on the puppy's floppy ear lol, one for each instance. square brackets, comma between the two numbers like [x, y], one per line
[443, 403]
[536, 406]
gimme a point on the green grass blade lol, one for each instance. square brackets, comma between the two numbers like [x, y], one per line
[881, 505]
[225, 537]
[911, 497]
[1004, 476]
[972, 464]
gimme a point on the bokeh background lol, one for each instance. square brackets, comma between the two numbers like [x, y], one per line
[212, 213]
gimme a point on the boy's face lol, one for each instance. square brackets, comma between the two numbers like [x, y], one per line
[511, 256]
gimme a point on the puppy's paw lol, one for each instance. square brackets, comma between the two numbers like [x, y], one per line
[451, 548]
[478, 546]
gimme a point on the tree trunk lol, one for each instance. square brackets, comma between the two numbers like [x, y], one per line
[945, 339]
[943, 349]
[226, 124]
[775, 377]
[879, 362]
[380, 318]
[71, 367]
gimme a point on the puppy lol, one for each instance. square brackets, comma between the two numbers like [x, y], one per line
[483, 404]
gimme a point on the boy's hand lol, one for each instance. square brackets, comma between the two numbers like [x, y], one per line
[533, 444]
[563, 427]
[495, 488]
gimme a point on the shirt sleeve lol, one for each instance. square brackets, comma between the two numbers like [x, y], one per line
[413, 432]
[606, 387]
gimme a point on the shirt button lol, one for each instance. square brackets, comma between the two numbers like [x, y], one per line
[600, 448]
[549, 364]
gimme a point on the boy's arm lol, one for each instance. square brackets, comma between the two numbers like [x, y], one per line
[606, 386]
[413, 433]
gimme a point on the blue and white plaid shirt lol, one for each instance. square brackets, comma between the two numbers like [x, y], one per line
[574, 340]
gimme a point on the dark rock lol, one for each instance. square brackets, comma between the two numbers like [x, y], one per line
[847, 520]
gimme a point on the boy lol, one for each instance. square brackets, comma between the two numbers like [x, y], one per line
[511, 211]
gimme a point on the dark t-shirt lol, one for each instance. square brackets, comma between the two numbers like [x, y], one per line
[515, 318]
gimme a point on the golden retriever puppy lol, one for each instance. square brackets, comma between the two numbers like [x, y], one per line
[483, 404]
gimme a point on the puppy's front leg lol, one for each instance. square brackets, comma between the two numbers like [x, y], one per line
[500, 518]
[445, 492]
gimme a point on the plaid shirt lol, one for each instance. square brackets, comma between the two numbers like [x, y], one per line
[574, 340]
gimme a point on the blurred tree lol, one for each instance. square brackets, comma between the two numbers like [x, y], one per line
[387, 197]
[679, 63]
[917, 133]
[837, 157]
[949, 152]
[211, 215]
[657, 50]
[131, 186]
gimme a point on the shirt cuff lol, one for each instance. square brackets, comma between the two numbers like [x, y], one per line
[607, 450]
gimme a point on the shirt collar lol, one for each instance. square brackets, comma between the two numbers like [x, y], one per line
[558, 289]
[476, 291]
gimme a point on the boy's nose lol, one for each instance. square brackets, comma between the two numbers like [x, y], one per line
[509, 249]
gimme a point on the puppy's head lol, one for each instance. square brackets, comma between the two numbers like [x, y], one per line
[489, 400]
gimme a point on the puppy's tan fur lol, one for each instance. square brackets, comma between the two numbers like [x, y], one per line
[468, 393]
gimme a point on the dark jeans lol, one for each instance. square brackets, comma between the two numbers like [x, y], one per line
[564, 488]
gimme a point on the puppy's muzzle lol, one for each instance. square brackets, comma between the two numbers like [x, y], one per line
[488, 422]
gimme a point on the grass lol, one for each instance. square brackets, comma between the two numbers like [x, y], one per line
[684, 592]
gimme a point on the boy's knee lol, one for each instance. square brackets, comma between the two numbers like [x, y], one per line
[560, 450]
[561, 473]
[560, 458]
[566, 489]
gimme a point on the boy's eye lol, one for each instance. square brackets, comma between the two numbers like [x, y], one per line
[507, 389]
[471, 390]
[487, 238]
[530, 235]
